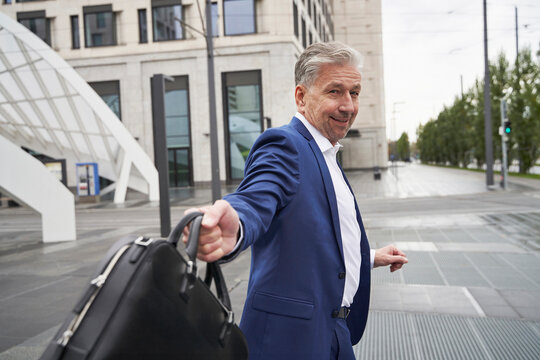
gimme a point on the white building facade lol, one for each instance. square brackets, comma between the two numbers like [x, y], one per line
[118, 46]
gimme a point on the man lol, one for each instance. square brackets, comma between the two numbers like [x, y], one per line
[308, 292]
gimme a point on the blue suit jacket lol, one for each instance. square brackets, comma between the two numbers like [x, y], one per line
[288, 209]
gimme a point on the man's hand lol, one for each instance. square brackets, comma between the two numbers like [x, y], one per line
[219, 231]
[390, 255]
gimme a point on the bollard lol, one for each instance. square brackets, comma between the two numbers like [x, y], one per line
[376, 173]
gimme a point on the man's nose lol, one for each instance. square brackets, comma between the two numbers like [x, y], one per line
[347, 103]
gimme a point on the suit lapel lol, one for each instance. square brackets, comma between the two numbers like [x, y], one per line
[327, 180]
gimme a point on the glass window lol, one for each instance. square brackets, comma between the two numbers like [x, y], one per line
[7, 1]
[243, 115]
[179, 167]
[177, 112]
[177, 127]
[295, 20]
[215, 29]
[37, 23]
[167, 22]
[304, 34]
[109, 91]
[75, 36]
[143, 31]
[239, 16]
[99, 26]
[309, 7]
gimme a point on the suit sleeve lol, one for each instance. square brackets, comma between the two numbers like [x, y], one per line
[271, 179]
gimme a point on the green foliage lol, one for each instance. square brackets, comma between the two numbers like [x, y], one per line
[456, 137]
[403, 147]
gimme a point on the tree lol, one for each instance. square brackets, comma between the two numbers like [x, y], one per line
[403, 147]
[457, 134]
[392, 150]
[524, 110]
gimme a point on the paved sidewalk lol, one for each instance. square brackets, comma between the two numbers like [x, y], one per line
[470, 291]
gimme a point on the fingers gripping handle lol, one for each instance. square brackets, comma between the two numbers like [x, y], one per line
[193, 239]
[213, 270]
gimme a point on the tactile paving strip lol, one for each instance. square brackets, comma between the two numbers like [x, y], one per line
[395, 335]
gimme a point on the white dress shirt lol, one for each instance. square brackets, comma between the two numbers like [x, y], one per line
[350, 230]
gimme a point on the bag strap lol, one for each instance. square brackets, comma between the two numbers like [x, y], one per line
[213, 271]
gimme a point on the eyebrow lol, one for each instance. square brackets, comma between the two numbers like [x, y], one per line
[340, 85]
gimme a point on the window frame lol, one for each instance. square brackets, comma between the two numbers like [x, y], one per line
[181, 82]
[163, 4]
[75, 32]
[304, 34]
[143, 26]
[100, 9]
[102, 87]
[296, 25]
[33, 15]
[225, 19]
[215, 29]
[238, 78]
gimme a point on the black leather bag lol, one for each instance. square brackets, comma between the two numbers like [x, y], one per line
[147, 302]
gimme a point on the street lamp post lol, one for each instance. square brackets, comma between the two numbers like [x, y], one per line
[214, 151]
[487, 109]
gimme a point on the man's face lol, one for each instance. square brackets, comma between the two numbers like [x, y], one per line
[331, 103]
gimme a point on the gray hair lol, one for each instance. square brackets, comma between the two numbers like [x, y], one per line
[316, 55]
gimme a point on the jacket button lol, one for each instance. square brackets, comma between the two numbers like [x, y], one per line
[335, 313]
[341, 275]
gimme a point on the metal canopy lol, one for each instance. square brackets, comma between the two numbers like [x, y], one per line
[47, 107]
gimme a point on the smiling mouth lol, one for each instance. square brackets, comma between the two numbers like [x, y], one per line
[340, 120]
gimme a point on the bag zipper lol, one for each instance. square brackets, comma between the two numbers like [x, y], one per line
[98, 284]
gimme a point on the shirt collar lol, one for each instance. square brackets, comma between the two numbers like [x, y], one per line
[322, 142]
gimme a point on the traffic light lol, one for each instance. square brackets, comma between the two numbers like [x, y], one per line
[507, 127]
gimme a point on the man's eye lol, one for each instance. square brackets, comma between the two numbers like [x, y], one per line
[334, 91]
[355, 93]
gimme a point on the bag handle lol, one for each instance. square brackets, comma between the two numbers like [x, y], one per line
[193, 239]
[213, 270]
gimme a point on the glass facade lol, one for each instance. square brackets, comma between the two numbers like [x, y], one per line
[243, 115]
[167, 22]
[177, 127]
[239, 16]
[109, 91]
[99, 26]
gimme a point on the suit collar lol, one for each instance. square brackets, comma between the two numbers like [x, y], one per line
[323, 143]
[301, 128]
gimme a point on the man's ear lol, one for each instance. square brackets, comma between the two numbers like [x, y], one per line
[299, 96]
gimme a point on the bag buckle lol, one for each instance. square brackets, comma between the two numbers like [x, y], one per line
[226, 328]
[187, 281]
[143, 241]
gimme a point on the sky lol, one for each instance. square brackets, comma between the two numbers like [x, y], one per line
[430, 45]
